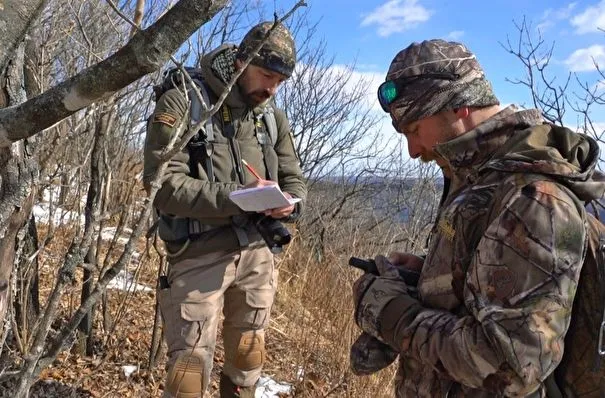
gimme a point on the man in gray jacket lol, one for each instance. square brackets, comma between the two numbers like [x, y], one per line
[221, 260]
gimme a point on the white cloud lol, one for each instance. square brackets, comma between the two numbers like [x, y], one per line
[396, 16]
[583, 60]
[371, 81]
[590, 20]
[455, 35]
[595, 130]
[552, 15]
[599, 127]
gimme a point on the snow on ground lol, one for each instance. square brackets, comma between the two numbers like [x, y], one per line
[108, 233]
[129, 369]
[60, 216]
[266, 387]
[125, 281]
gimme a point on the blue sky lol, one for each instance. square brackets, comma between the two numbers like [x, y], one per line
[371, 32]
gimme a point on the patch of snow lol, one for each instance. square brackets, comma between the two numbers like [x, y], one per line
[108, 233]
[266, 387]
[124, 281]
[129, 369]
[42, 213]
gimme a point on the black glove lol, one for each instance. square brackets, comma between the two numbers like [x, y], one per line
[372, 293]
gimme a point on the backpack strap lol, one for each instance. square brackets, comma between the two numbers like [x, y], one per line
[201, 146]
[182, 229]
[271, 123]
[598, 248]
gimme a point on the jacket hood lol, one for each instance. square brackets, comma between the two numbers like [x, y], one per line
[218, 66]
[521, 141]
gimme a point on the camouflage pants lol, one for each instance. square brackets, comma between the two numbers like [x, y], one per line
[241, 283]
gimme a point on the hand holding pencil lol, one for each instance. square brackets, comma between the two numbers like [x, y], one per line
[260, 181]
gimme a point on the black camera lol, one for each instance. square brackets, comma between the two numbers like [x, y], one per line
[274, 233]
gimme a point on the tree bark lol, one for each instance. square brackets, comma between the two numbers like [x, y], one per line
[146, 52]
[27, 301]
[92, 214]
[17, 174]
[16, 16]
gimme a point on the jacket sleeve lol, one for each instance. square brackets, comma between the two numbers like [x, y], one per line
[290, 176]
[180, 194]
[519, 291]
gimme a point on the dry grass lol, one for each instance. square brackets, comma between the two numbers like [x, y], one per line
[314, 310]
[308, 338]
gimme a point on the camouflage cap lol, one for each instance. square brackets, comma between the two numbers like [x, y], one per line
[427, 94]
[277, 54]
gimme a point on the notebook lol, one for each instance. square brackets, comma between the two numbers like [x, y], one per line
[261, 198]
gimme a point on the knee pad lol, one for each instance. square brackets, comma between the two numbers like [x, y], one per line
[250, 351]
[184, 379]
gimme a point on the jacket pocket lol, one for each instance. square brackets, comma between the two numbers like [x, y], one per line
[222, 162]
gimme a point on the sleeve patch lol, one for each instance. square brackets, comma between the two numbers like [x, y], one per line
[165, 118]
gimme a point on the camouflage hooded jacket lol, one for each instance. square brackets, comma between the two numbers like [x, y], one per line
[208, 201]
[498, 283]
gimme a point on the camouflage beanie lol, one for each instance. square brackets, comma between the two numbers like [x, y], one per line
[278, 54]
[424, 95]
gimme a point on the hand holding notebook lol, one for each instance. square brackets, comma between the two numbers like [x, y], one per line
[261, 198]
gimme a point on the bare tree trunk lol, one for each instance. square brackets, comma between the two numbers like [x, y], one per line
[15, 19]
[139, 12]
[18, 172]
[92, 217]
[27, 300]
[157, 333]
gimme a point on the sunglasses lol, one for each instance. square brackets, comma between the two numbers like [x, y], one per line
[391, 90]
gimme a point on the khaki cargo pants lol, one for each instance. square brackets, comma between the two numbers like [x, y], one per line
[242, 283]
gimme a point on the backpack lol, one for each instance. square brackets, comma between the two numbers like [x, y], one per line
[580, 373]
[180, 229]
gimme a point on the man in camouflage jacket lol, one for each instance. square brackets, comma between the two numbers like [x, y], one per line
[497, 286]
[224, 263]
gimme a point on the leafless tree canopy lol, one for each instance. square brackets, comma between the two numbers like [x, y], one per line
[560, 98]
[77, 79]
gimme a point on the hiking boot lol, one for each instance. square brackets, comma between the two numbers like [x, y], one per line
[230, 390]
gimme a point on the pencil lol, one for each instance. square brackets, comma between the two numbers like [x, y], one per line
[251, 170]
